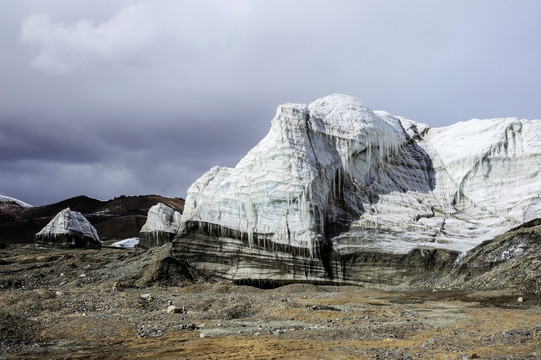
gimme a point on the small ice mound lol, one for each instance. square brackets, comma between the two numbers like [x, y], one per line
[69, 229]
[126, 243]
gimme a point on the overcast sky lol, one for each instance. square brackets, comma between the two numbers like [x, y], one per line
[116, 97]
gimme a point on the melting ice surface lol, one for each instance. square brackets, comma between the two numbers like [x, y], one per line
[336, 172]
[162, 218]
[68, 222]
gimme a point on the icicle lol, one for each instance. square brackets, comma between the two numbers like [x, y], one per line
[250, 217]
[322, 221]
[369, 146]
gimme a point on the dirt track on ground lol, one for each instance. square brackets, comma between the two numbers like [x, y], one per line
[105, 304]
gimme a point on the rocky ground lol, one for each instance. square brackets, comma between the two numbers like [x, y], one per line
[113, 303]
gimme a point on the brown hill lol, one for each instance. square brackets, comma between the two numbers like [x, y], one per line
[118, 218]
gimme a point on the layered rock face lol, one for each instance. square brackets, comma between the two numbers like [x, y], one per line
[162, 224]
[69, 229]
[336, 190]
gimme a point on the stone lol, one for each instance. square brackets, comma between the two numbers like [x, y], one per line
[172, 309]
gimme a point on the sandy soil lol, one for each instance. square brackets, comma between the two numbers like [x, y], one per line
[68, 304]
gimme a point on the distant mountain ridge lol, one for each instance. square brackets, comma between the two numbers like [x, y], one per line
[118, 218]
[7, 199]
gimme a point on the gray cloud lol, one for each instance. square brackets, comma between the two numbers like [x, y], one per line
[63, 48]
[135, 97]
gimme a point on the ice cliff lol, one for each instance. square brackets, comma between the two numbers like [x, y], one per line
[69, 229]
[336, 177]
[162, 224]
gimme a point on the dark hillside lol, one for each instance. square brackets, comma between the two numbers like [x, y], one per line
[81, 203]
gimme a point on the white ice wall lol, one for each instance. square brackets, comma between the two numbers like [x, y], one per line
[395, 183]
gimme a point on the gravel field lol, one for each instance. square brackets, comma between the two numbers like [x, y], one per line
[113, 303]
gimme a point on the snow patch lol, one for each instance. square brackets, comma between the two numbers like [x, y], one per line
[4, 199]
[126, 243]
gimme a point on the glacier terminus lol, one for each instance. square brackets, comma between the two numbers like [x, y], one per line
[334, 182]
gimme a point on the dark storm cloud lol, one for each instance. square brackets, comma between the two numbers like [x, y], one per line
[134, 97]
[20, 140]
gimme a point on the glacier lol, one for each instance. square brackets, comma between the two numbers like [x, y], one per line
[335, 177]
